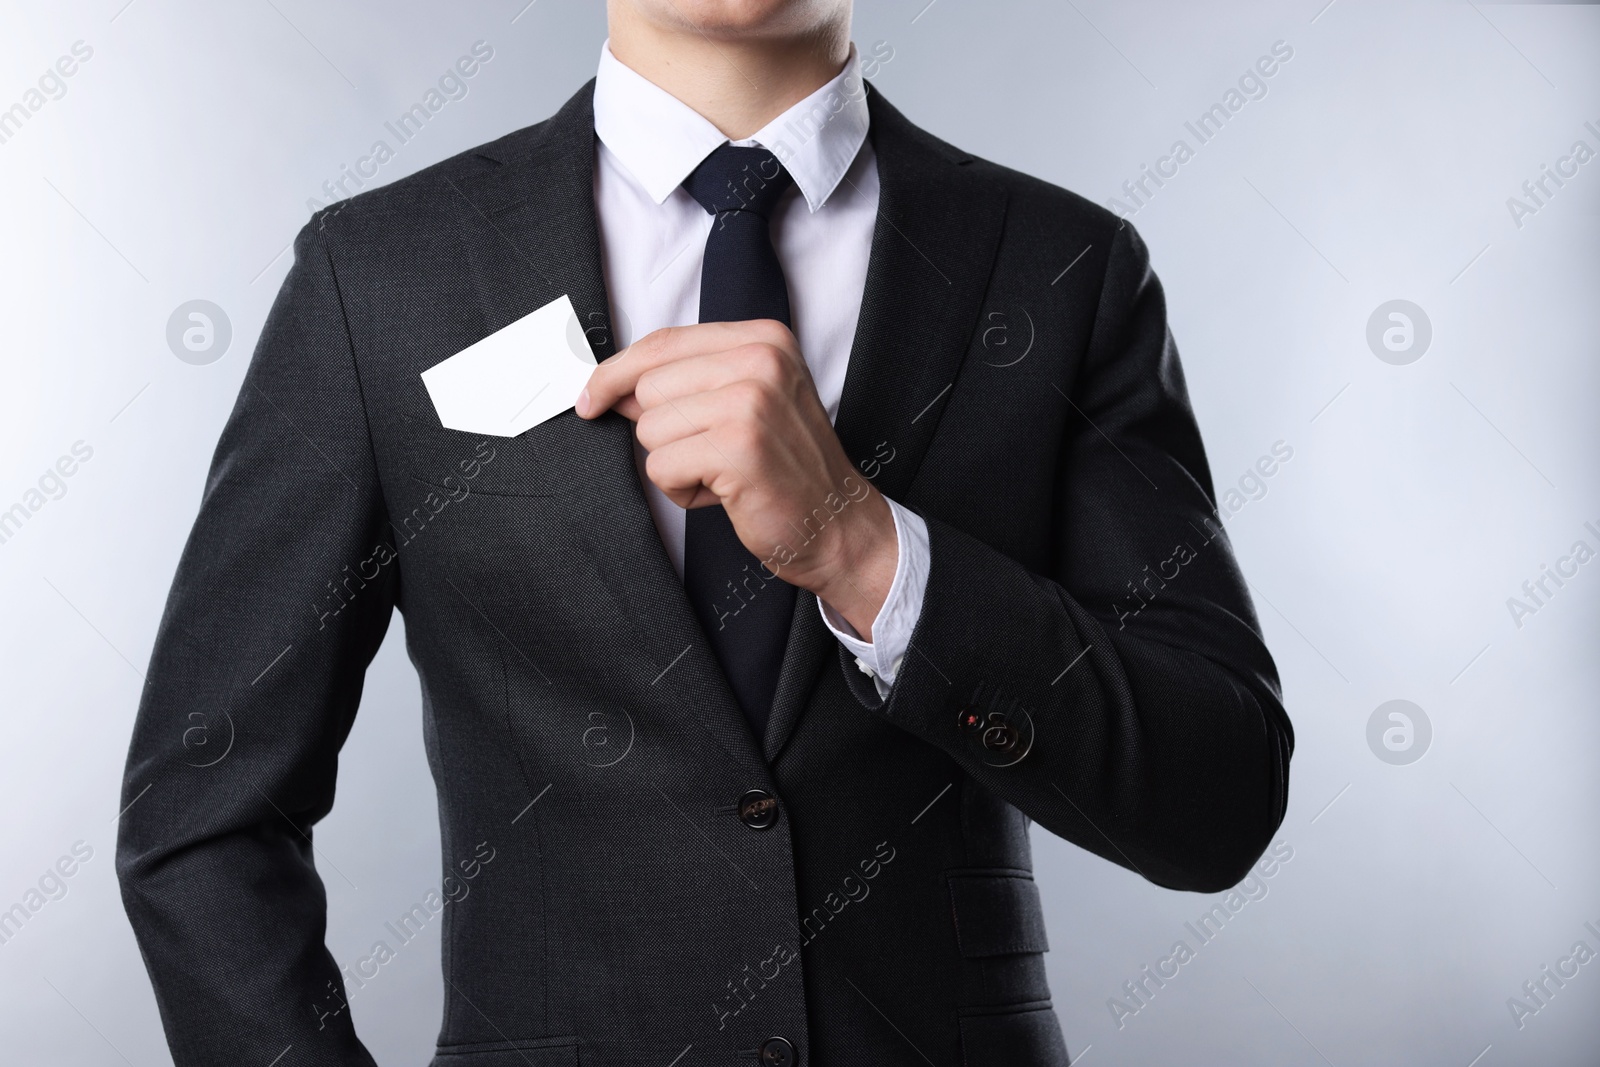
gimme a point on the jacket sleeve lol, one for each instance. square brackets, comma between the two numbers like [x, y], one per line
[1125, 701]
[278, 605]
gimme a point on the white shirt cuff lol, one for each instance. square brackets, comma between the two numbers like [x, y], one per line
[880, 657]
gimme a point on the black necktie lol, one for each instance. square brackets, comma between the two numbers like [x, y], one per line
[744, 608]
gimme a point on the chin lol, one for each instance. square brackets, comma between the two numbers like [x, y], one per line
[745, 18]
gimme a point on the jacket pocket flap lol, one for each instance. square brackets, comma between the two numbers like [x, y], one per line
[997, 914]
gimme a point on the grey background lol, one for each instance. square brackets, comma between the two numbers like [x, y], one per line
[178, 165]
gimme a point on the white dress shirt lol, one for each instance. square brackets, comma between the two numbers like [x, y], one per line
[653, 237]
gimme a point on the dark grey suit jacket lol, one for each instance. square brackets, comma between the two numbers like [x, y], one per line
[1087, 656]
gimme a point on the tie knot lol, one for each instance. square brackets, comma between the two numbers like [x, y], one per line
[739, 179]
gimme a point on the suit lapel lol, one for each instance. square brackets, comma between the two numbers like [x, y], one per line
[933, 248]
[531, 235]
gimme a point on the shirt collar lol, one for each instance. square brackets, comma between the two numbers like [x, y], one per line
[660, 140]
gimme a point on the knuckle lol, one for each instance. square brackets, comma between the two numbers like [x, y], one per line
[774, 332]
[647, 429]
[656, 466]
[745, 435]
[762, 362]
[773, 361]
[648, 388]
[654, 344]
[753, 398]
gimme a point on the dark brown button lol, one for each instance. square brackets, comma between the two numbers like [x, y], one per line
[758, 809]
[776, 1052]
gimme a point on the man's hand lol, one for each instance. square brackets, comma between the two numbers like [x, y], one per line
[730, 416]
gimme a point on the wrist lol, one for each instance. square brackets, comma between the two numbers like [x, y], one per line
[854, 575]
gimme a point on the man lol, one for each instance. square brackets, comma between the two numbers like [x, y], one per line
[742, 681]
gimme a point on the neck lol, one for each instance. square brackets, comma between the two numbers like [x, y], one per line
[738, 85]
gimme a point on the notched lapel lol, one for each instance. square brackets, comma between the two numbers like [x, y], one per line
[933, 250]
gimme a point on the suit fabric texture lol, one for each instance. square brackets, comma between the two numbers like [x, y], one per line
[1086, 658]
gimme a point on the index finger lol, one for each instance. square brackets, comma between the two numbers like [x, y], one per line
[619, 375]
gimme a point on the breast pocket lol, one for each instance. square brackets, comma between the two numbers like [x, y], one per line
[554, 458]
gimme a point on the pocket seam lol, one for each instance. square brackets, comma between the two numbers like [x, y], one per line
[984, 1011]
[988, 872]
[533, 1044]
[473, 491]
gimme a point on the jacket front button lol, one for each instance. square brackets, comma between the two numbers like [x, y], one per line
[758, 809]
[776, 1052]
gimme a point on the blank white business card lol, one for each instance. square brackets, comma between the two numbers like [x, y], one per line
[515, 378]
